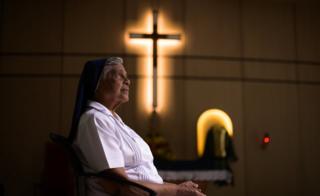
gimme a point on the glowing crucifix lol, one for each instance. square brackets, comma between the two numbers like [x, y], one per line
[155, 36]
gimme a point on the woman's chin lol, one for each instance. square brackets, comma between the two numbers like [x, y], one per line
[125, 99]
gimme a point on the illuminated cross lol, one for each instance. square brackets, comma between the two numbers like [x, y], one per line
[154, 36]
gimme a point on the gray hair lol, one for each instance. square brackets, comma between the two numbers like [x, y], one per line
[108, 66]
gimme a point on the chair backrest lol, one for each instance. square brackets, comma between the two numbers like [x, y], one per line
[67, 146]
[74, 160]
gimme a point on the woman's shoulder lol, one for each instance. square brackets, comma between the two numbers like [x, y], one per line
[96, 118]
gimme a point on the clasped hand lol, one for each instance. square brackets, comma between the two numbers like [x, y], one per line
[189, 188]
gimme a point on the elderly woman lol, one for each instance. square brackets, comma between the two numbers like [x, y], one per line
[105, 143]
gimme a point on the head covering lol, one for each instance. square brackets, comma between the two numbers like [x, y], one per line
[86, 89]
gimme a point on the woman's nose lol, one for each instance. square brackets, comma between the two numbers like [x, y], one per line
[127, 81]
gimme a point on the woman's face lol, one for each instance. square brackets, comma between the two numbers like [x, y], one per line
[117, 84]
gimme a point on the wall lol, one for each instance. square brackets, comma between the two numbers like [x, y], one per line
[257, 60]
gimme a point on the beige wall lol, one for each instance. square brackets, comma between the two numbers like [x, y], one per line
[257, 60]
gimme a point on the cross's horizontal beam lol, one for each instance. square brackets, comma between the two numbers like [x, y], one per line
[154, 36]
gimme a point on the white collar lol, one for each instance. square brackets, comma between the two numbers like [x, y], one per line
[101, 108]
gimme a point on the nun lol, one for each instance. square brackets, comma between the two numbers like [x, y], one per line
[105, 143]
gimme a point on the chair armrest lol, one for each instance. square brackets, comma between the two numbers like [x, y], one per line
[122, 181]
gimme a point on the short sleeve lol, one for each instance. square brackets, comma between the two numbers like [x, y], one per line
[99, 143]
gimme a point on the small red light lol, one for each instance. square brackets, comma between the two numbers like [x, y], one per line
[266, 139]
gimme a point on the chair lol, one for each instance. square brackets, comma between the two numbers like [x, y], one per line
[81, 175]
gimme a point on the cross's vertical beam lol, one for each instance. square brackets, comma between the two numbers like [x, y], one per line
[155, 61]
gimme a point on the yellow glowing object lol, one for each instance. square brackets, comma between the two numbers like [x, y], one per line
[208, 119]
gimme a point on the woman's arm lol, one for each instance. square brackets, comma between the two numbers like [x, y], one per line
[167, 189]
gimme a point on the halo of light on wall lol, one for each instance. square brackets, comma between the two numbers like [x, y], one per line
[208, 119]
[144, 48]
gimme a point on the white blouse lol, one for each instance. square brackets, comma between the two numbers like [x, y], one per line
[104, 142]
